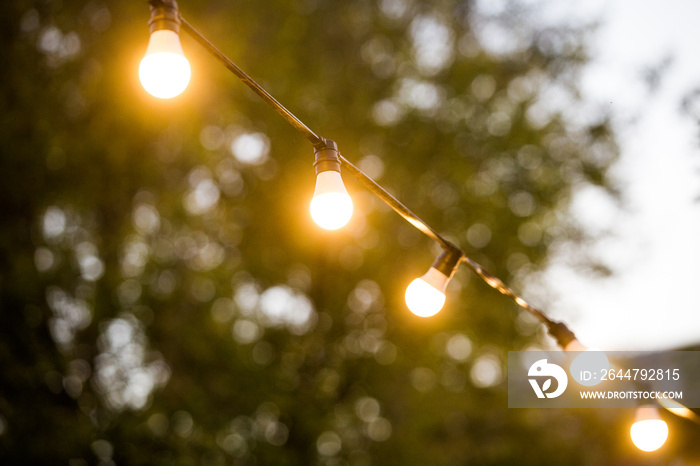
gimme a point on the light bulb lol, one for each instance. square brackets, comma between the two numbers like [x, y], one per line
[164, 71]
[649, 432]
[588, 362]
[425, 295]
[331, 206]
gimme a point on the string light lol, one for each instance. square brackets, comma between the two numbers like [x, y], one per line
[425, 296]
[649, 432]
[165, 72]
[331, 206]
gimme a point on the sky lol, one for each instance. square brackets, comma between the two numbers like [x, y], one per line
[653, 236]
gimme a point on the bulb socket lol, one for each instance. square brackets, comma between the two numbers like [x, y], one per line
[560, 332]
[647, 412]
[326, 157]
[448, 261]
[164, 15]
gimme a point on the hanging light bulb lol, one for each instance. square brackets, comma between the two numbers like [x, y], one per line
[649, 432]
[588, 361]
[331, 206]
[425, 295]
[164, 71]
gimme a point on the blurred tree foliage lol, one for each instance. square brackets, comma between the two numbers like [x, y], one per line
[165, 296]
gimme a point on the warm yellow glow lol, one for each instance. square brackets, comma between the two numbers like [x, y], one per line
[425, 296]
[164, 71]
[649, 435]
[649, 432]
[677, 408]
[331, 206]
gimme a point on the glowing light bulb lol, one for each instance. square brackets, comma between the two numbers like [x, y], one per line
[588, 362]
[425, 296]
[649, 432]
[331, 206]
[164, 71]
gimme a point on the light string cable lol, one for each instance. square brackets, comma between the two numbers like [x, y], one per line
[558, 330]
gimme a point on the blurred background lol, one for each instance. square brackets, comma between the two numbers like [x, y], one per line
[166, 298]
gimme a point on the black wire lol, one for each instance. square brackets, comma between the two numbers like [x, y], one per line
[557, 329]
